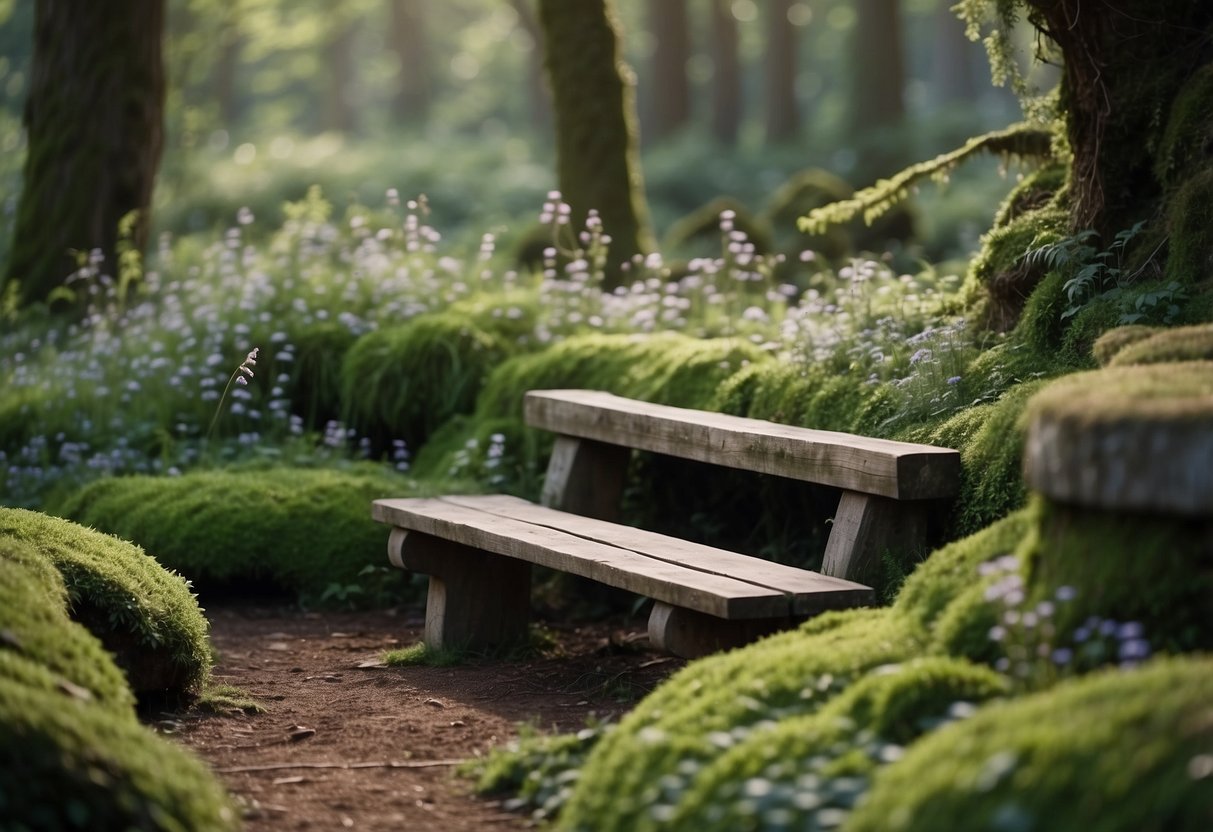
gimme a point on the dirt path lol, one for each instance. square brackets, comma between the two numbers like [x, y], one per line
[325, 708]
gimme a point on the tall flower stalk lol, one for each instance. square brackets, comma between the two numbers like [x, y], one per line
[239, 376]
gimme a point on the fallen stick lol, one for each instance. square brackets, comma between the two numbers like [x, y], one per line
[387, 764]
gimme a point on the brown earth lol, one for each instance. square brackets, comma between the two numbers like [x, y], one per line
[347, 743]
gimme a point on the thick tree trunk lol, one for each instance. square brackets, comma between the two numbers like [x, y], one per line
[539, 97]
[782, 111]
[670, 104]
[877, 86]
[726, 75]
[956, 76]
[408, 39]
[1124, 62]
[595, 124]
[94, 119]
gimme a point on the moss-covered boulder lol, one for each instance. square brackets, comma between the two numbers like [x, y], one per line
[1108, 345]
[35, 628]
[299, 531]
[719, 701]
[1112, 752]
[1154, 346]
[145, 615]
[71, 764]
[700, 233]
[404, 382]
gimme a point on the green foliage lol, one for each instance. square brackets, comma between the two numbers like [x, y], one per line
[870, 203]
[682, 722]
[76, 765]
[1111, 752]
[142, 613]
[300, 530]
[36, 630]
[404, 382]
[1189, 220]
[537, 770]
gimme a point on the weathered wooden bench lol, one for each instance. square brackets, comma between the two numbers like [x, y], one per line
[478, 550]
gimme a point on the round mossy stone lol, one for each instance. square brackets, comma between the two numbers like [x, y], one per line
[1119, 751]
[1126, 438]
[1185, 343]
[1108, 345]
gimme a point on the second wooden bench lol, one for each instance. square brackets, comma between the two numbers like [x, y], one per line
[478, 550]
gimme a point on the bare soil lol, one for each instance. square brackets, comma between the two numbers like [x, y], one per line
[347, 743]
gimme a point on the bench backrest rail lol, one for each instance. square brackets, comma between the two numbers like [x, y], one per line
[881, 467]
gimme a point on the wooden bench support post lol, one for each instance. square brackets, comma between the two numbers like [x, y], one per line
[586, 477]
[865, 527]
[476, 600]
[691, 634]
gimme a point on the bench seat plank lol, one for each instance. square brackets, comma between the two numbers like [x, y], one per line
[809, 592]
[461, 520]
[900, 470]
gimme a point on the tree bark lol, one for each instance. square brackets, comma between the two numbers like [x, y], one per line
[727, 109]
[783, 113]
[670, 105]
[877, 86]
[592, 89]
[539, 96]
[410, 42]
[94, 120]
[955, 73]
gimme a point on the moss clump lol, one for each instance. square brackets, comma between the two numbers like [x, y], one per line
[699, 233]
[809, 771]
[142, 613]
[404, 382]
[999, 272]
[319, 353]
[950, 571]
[1186, 343]
[1176, 393]
[1189, 220]
[299, 530]
[1113, 341]
[804, 192]
[682, 721]
[76, 765]
[1110, 752]
[1188, 137]
[34, 626]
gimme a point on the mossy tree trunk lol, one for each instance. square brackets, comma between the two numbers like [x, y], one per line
[94, 120]
[592, 90]
[1124, 63]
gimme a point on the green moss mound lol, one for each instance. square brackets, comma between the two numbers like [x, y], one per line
[699, 233]
[1185, 343]
[686, 719]
[74, 765]
[299, 530]
[1177, 393]
[1112, 752]
[404, 382]
[142, 613]
[1108, 345]
[319, 353]
[809, 771]
[34, 626]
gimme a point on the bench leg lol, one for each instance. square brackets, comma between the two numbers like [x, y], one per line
[691, 634]
[867, 526]
[586, 477]
[476, 601]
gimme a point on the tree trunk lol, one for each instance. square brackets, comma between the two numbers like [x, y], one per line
[596, 138]
[409, 40]
[1124, 63]
[726, 76]
[955, 73]
[783, 114]
[877, 86]
[94, 120]
[670, 104]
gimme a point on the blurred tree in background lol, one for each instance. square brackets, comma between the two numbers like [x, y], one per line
[94, 121]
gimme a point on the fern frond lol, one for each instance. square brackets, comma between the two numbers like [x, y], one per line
[871, 202]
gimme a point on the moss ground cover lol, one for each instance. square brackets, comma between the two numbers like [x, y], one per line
[142, 613]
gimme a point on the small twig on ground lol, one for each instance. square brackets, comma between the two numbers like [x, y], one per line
[384, 764]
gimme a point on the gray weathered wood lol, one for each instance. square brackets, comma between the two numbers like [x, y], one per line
[476, 600]
[586, 477]
[692, 634]
[1139, 463]
[900, 470]
[865, 527]
[726, 593]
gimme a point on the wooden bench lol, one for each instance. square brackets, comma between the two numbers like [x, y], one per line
[478, 550]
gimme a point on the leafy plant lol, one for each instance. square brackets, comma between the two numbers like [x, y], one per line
[1095, 273]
